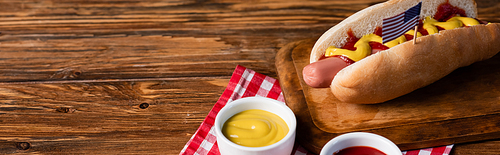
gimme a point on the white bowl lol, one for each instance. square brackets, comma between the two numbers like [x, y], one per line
[360, 139]
[282, 147]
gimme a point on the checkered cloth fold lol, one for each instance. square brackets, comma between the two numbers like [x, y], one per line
[244, 83]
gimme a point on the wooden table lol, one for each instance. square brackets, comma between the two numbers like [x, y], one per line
[138, 77]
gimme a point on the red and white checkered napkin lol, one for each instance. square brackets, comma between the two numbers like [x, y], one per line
[244, 83]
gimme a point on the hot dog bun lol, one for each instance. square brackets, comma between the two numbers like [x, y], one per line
[406, 67]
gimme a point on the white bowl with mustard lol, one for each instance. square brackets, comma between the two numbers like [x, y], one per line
[255, 125]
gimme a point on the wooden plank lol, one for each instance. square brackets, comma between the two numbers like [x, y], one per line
[105, 117]
[120, 58]
[477, 148]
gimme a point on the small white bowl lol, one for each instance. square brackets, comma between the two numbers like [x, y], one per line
[282, 147]
[360, 139]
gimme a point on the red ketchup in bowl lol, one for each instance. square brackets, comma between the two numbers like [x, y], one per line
[359, 150]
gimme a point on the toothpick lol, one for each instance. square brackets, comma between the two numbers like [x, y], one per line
[415, 35]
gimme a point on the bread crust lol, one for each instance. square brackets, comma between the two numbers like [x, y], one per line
[406, 67]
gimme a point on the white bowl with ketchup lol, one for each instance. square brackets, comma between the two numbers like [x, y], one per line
[230, 120]
[360, 143]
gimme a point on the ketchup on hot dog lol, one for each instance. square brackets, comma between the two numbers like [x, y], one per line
[320, 76]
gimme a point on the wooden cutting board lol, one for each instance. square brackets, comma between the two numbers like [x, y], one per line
[462, 107]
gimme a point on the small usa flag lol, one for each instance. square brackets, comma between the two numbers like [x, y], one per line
[394, 27]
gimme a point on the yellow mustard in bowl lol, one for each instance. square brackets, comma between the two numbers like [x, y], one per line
[255, 128]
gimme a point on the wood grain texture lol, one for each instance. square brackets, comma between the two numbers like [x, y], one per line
[100, 117]
[73, 73]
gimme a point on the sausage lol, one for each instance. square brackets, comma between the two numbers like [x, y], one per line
[320, 74]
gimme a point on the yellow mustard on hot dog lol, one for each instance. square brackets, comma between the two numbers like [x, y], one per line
[363, 48]
[452, 23]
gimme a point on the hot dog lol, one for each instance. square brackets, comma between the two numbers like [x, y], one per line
[448, 37]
